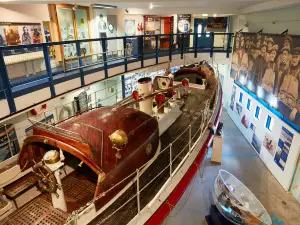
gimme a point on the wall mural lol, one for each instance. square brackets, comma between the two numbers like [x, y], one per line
[20, 33]
[268, 65]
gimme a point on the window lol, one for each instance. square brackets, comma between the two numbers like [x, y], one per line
[241, 97]
[269, 123]
[257, 112]
[249, 104]
[199, 30]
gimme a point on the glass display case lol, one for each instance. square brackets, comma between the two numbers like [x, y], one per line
[73, 25]
[237, 203]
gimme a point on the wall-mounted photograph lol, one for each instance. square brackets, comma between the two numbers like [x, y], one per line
[270, 144]
[283, 148]
[245, 121]
[238, 108]
[256, 143]
[232, 99]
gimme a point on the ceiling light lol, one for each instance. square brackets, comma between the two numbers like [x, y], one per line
[215, 15]
[126, 10]
[150, 6]
[75, 7]
[204, 14]
[103, 6]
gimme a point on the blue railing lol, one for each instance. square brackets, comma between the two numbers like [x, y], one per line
[27, 68]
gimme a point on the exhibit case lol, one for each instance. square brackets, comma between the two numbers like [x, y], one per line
[237, 203]
[73, 25]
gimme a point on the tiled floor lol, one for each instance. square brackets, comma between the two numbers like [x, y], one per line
[240, 159]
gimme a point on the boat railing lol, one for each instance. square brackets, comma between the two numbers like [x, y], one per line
[57, 130]
[188, 139]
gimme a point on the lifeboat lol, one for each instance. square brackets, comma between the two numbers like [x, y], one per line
[88, 166]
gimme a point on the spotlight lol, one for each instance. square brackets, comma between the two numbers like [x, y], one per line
[250, 85]
[242, 79]
[75, 7]
[150, 6]
[204, 14]
[215, 15]
[126, 10]
[274, 102]
[260, 92]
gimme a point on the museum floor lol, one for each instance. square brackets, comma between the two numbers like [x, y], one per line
[240, 159]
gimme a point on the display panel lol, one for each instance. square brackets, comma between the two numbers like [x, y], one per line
[130, 27]
[20, 33]
[268, 66]
[66, 25]
[183, 23]
[82, 29]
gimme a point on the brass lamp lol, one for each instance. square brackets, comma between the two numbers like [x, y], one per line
[119, 140]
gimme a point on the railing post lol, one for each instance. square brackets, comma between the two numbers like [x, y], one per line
[8, 140]
[228, 45]
[49, 69]
[190, 137]
[141, 47]
[171, 47]
[103, 43]
[78, 49]
[138, 190]
[212, 43]
[123, 86]
[181, 47]
[125, 53]
[156, 48]
[171, 161]
[196, 44]
[6, 84]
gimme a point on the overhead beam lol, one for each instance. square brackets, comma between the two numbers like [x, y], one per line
[269, 6]
[170, 10]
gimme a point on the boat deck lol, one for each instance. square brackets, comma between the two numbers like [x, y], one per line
[78, 191]
[192, 108]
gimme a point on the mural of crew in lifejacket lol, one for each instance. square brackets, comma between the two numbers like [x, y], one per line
[269, 66]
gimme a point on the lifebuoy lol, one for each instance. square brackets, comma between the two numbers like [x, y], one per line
[40, 112]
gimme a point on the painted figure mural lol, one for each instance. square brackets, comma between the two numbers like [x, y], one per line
[268, 66]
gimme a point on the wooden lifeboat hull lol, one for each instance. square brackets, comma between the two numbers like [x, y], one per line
[93, 147]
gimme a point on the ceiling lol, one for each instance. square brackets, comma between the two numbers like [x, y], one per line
[219, 7]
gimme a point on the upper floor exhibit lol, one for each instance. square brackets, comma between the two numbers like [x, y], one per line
[79, 45]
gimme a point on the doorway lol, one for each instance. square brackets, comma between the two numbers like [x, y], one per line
[204, 38]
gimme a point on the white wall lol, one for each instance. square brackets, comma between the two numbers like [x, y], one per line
[285, 176]
[28, 13]
[287, 18]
